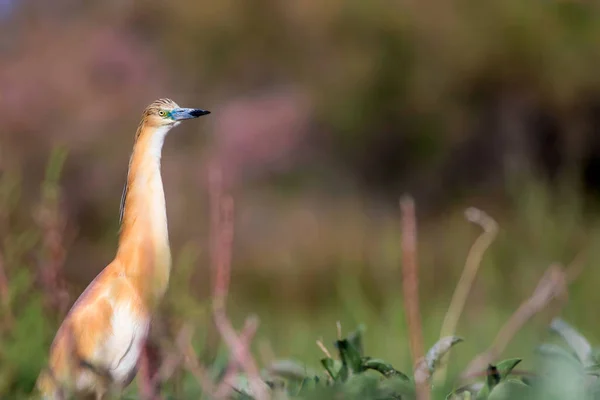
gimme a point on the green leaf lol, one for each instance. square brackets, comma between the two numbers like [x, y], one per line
[505, 367]
[349, 355]
[510, 389]
[383, 368]
[593, 369]
[355, 339]
[330, 365]
[594, 390]
[493, 377]
[596, 354]
[396, 387]
[561, 375]
[360, 387]
[574, 339]
[550, 350]
[343, 373]
[305, 385]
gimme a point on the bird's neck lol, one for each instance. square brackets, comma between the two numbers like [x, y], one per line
[144, 250]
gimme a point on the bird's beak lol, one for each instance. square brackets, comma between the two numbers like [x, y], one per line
[179, 114]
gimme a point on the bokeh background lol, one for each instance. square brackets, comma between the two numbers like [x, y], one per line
[323, 114]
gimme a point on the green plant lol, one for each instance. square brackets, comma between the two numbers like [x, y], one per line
[24, 334]
[561, 372]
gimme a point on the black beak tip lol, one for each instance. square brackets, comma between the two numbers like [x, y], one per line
[198, 112]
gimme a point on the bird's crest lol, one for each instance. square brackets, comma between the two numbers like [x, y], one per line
[159, 104]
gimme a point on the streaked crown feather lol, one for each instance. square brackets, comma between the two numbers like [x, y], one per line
[160, 104]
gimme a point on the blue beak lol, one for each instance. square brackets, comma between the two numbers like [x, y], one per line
[179, 114]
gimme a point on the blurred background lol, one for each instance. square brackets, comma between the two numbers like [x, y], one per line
[323, 114]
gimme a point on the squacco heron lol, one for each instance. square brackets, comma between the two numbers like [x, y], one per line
[99, 344]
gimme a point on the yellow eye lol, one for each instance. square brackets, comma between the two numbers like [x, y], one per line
[162, 113]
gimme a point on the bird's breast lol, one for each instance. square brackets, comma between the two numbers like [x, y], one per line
[124, 345]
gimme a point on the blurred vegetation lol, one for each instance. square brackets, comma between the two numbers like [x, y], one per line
[323, 114]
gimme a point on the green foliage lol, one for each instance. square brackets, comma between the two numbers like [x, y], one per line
[558, 374]
[566, 371]
[24, 333]
[22, 350]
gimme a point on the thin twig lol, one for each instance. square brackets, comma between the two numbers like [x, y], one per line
[221, 237]
[461, 292]
[199, 372]
[576, 266]
[242, 354]
[175, 358]
[52, 222]
[553, 284]
[245, 338]
[221, 245]
[187, 354]
[410, 282]
[323, 348]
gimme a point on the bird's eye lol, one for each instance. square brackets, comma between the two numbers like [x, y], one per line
[162, 113]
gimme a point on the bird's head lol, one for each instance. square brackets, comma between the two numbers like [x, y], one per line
[166, 113]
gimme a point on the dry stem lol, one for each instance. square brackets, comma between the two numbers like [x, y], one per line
[461, 292]
[323, 348]
[221, 246]
[410, 280]
[243, 344]
[553, 284]
[221, 237]
[175, 358]
[52, 223]
[199, 372]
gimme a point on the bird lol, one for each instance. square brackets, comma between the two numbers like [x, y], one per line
[98, 347]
